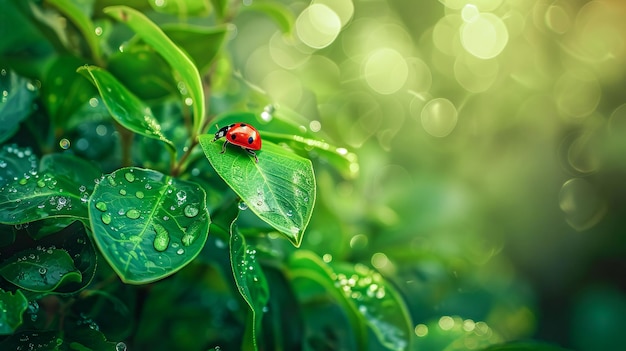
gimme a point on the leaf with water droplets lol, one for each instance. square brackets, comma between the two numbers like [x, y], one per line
[370, 298]
[148, 237]
[12, 307]
[124, 106]
[280, 188]
[40, 270]
[80, 16]
[177, 58]
[61, 188]
[249, 278]
[16, 102]
[16, 163]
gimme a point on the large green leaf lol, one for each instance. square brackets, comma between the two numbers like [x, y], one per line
[250, 280]
[60, 189]
[40, 270]
[12, 307]
[15, 163]
[148, 225]
[124, 106]
[16, 102]
[180, 62]
[280, 188]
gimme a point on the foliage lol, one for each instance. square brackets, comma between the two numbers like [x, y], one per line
[123, 224]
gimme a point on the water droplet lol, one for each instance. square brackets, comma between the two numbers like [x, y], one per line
[242, 206]
[133, 214]
[180, 251]
[129, 177]
[122, 191]
[41, 183]
[106, 218]
[120, 346]
[43, 270]
[190, 211]
[98, 31]
[191, 233]
[23, 181]
[82, 188]
[139, 194]
[64, 144]
[111, 181]
[101, 206]
[162, 238]
[181, 196]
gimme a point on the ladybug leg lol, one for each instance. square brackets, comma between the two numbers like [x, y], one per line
[253, 154]
[224, 146]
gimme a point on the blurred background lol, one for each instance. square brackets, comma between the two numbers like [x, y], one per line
[491, 138]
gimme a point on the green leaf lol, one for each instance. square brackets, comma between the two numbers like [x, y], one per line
[40, 270]
[377, 301]
[80, 338]
[148, 225]
[280, 188]
[80, 18]
[12, 307]
[365, 293]
[180, 62]
[278, 12]
[220, 7]
[60, 189]
[198, 8]
[250, 280]
[16, 103]
[15, 163]
[143, 71]
[124, 106]
[63, 91]
[202, 44]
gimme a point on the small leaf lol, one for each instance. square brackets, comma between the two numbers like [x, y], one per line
[201, 43]
[40, 270]
[16, 103]
[280, 188]
[12, 307]
[250, 280]
[178, 60]
[81, 19]
[124, 106]
[133, 209]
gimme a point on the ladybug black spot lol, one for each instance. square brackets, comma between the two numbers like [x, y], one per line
[250, 140]
[242, 125]
[233, 136]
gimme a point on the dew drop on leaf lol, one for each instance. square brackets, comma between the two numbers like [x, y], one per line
[122, 191]
[180, 251]
[41, 183]
[162, 238]
[139, 194]
[43, 270]
[101, 206]
[133, 214]
[129, 177]
[106, 218]
[23, 181]
[242, 206]
[190, 211]
[191, 233]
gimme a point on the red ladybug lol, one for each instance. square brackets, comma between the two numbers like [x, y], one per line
[241, 134]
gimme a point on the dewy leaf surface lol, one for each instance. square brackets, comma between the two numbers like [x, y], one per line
[178, 60]
[124, 106]
[148, 225]
[16, 103]
[280, 188]
[13, 306]
[249, 278]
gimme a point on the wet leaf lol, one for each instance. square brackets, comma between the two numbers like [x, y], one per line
[16, 163]
[146, 224]
[12, 307]
[178, 60]
[40, 270]
[16, 104]
[280, 188]
[371, 299]
[124, 106]
[250, 280]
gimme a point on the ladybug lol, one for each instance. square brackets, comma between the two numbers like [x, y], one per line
[242, 135]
